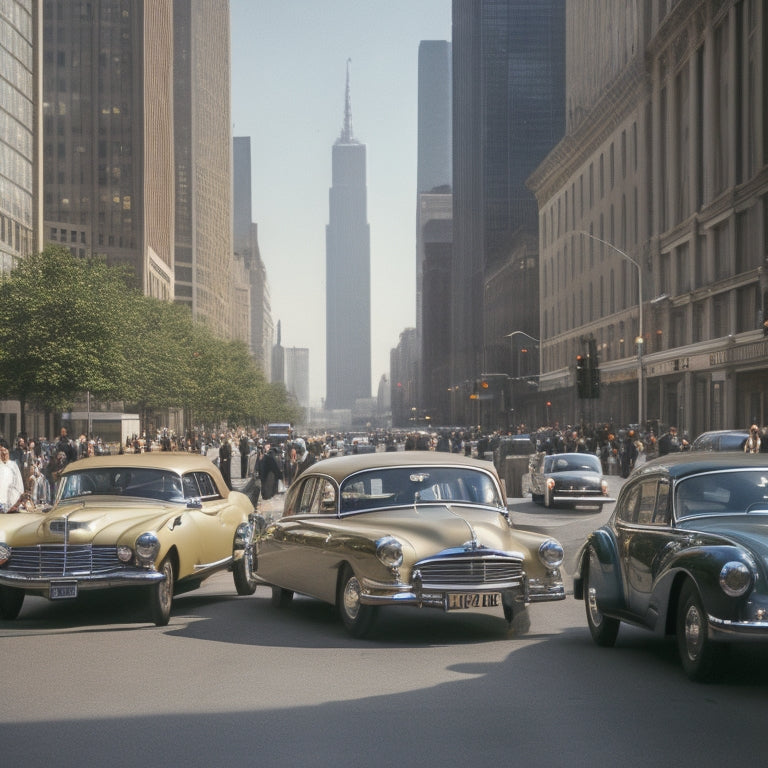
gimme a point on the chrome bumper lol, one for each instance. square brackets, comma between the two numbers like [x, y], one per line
[528, 591]
[723, 630]
[42, 584]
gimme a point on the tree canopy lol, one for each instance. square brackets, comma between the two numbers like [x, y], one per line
[70, 325]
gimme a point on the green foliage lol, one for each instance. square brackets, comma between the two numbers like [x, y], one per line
[69, 325]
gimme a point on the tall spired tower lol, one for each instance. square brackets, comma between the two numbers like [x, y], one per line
[348, 273]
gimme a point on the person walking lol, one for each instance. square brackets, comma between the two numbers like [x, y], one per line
[669, 442]
[245, 449]
[225, 461]
[11, 482]
[753, 443]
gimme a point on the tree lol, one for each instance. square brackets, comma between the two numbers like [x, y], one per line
[60, 328]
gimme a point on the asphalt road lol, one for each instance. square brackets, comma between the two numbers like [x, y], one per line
[232, 680]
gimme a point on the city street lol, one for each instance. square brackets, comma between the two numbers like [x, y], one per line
[232, 680]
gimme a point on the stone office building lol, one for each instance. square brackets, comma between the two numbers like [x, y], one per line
[657, 198]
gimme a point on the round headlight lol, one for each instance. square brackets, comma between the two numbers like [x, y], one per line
[124, 554]
[5, 553]
[390, 551]
[147, 547]
[735, 578]
[551, 554]
[551, 483]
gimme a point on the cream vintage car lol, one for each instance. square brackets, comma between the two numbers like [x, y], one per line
[160, 521]
[416, 528]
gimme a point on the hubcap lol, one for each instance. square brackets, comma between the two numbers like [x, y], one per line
[594, 611]
[166, 588]
[693, 632]
[352, 598]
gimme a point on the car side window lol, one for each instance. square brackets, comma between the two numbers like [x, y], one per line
[663, 512]
[199, 485]
[627, 511]
[307, 495]
[647, 504]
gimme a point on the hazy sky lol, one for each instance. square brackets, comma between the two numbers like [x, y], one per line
[288, 78]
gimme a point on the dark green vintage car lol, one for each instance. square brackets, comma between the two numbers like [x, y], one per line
[684, 553]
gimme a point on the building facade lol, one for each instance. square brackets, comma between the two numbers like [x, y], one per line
[21, 230]
[348, 273]
[508, 112]
[653, 216]
[434, 203]
[108, 163]
[206, 277]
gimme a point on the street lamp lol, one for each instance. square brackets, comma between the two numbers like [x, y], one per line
[527, 336]
[639, 338]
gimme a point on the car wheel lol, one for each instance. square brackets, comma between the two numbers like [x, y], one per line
[699, 655]
[537, 498]
[281, 598]
[519, 620]
[603, 629]
[11, 600]
[242, 572]
[357, 618]
[161, 595]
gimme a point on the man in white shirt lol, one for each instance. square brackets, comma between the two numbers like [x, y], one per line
[11, 484]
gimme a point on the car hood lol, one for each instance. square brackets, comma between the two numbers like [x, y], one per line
[748, 531]
[100, 523]
[431, 528]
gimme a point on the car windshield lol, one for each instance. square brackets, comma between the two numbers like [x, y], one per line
[583, 462]
[414, 485]
[716, 493]
[120, 481]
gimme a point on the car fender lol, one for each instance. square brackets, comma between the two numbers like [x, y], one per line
[702, 564]
[607, 578]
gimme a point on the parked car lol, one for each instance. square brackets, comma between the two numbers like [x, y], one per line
[567, 479]
[425, 529]
[684, 553]
[721, 440]
[161, 521]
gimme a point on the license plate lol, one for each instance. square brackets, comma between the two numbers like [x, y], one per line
[462, 600]
[64, 590]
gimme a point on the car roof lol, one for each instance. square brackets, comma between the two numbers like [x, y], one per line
[679, 465]
[169, 460]
[339, 467]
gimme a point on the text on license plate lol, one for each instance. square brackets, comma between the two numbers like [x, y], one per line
[64, 591]
[459, 600]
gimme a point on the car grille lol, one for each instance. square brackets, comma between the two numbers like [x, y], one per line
[50, 561]
[469, 571]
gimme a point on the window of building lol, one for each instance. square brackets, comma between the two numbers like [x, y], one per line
[699, 313]
[749, 312]
[720, 316]
[683, 269]
[722, 252]
[601, 178]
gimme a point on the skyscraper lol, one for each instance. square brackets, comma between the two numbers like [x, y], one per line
[508, 113]
[433, 222]
[17, 140]
[108, 134]
[348, 273]
[204, 267]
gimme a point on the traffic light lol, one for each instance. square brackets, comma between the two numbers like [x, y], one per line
[593, 371]
[594, 379]
[582, 383]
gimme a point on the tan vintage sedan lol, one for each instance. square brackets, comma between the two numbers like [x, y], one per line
[416, 528]
[160, 521]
